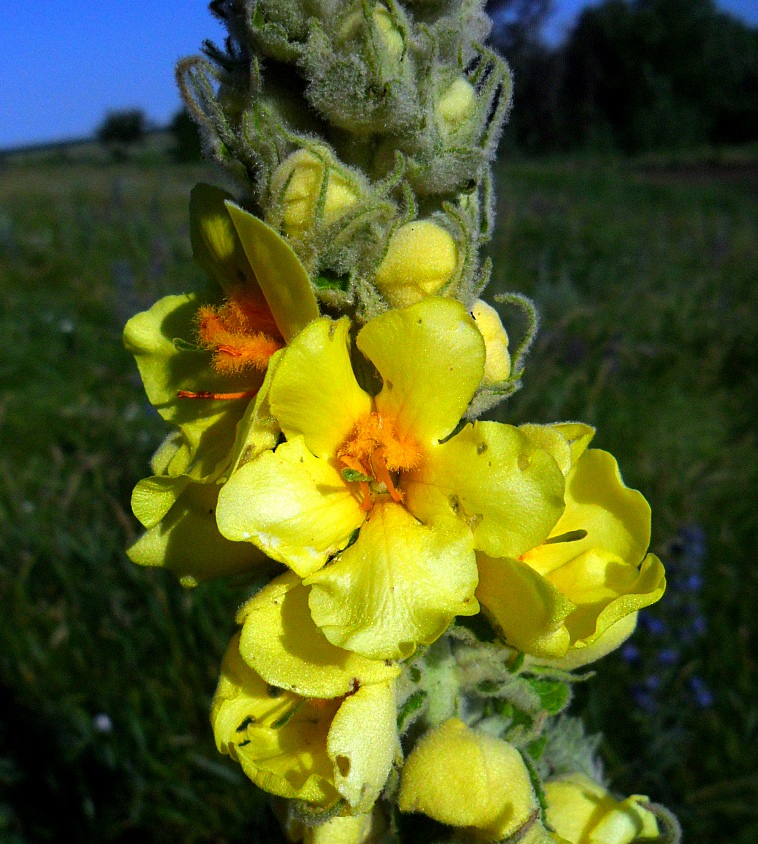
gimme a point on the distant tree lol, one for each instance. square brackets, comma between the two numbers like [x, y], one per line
[186, 145]
[536, 119]
[643, 74]
[121, 130]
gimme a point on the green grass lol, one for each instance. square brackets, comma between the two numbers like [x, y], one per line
[646, 286]
[647, 289]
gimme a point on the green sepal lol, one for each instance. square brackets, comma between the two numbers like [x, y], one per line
[410, 707]
[282, 278]
[554, 695]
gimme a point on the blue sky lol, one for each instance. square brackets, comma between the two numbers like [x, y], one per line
[64, 64]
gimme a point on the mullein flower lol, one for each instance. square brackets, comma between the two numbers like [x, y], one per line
[574, 597]
[385, 469]
[303, 718]
[202, 359]
[583, 812]
[465, 778]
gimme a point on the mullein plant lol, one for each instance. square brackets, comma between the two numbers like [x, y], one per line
[432, 581]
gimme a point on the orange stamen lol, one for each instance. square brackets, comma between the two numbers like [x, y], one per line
[374, 443]
[241, 333]
[206, 394]
[381, 473]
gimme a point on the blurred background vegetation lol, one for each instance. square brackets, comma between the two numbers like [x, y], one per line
[627, 208]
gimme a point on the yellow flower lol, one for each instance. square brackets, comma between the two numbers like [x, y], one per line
[582, 812]
[465, 778]
[421, 258]
[263, 299]
[386, 466]
[574, 596]
[315, 749]
[298, 183]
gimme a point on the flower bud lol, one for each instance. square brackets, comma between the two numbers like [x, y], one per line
[390, 35]
[352, 829]
[583, 812]
[421, 258]
[497, 365]
[455, 106]
[465, 778]
[297, 184]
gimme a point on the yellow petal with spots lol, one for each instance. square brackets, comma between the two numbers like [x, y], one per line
[494, 479]
[398, 586]
[611, 516]
[282, 644]
[362, 743]
[431, 359]
[278, 738]
[314, 393]
[295, 507]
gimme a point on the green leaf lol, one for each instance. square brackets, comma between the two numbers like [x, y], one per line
[331, 281]
[554, 695]
[281, 276]
[413, 704]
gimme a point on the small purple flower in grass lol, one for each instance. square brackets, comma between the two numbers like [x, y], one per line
[702, 695]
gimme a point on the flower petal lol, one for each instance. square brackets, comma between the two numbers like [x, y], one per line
[605, 589]
[282, 644]
[399, 585]
[295, 507]
[431, 358]
[278, 738]
[615, 518]
[492, 477]
[362, 743]
[187, 541]
[314, 393]
[566, 441]
[613, 637]
[281, 276]
[216, 246]
[528, 610]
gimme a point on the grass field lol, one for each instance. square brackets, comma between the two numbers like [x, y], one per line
[646, 286]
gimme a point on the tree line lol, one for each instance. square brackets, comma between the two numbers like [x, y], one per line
[631, 75]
